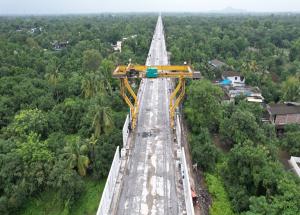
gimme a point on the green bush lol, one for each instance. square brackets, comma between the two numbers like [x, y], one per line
[221, 204]
[204, 152]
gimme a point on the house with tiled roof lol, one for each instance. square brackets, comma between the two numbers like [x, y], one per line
[284, 114]
[216, 64]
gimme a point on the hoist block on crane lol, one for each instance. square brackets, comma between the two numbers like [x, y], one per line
[152, 72]
[131, 71]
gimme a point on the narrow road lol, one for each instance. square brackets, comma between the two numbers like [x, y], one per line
[151, 185]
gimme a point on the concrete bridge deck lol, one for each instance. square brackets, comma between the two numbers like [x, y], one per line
[149, 178]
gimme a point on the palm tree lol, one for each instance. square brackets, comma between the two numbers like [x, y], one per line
[253, 66]
[102, 122]
[291, 89]
[95, 83]
[76, 155]
[106, 68]
[53, 76]
[88, 85]
[103, 83]
[245, 67]
[92, 142]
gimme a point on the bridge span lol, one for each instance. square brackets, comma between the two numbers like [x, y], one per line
[152, 176]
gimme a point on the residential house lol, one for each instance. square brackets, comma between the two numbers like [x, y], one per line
[216, 64]
[35, 30]
[57, 46]
[118, 46]
[284, 114]
[236, 79]
[251, 94]
[233, 85]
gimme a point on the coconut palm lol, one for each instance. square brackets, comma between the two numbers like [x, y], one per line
[103, 83]
[95, 83]
[88, 85]
[106, 68]
[245, 67]
[92, 142]
[76, 155]
[253, 66]
[53, 76]
[102, 122]
[291, 89]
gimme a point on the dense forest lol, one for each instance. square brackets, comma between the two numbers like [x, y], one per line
[60, 111]
[61, 114]
[238, 153]
[265, 49]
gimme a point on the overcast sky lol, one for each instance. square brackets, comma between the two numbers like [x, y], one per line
[97, 6]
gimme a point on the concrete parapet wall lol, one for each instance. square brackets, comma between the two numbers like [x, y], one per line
[294, 163]
[109, 188]
[186, 185]
[125, 131]
[178, 130]
[184, 171]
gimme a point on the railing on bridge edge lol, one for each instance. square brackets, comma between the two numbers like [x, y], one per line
[108, 191]
[184, 172]
[125, 131]
[294, 162]
[186, 185]
[178, 131]
[110, 185]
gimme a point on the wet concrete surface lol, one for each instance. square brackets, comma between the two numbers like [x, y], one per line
[151, 183]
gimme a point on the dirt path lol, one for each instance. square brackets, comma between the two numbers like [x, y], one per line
[218, 143]
[284, 157]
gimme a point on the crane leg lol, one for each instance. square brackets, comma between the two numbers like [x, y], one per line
[174, 104]
[125, 86]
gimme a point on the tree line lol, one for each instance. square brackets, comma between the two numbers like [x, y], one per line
[264, 49]
[238, 153]
[60, 111]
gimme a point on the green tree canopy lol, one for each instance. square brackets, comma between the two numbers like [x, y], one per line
[27, 121]
[291, 89]
[204, 152]
[240, 127]
[203, 105]
[91, 60]
[76, 154]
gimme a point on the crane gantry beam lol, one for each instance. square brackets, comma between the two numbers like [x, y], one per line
[165, 71]
[130, 71]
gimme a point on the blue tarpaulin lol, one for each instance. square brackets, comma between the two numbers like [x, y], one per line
[225, 82]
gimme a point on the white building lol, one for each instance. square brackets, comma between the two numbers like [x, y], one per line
[118, 46]
[35, 30]
[237, 80]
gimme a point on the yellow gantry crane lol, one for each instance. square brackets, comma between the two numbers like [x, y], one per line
[130, 71]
